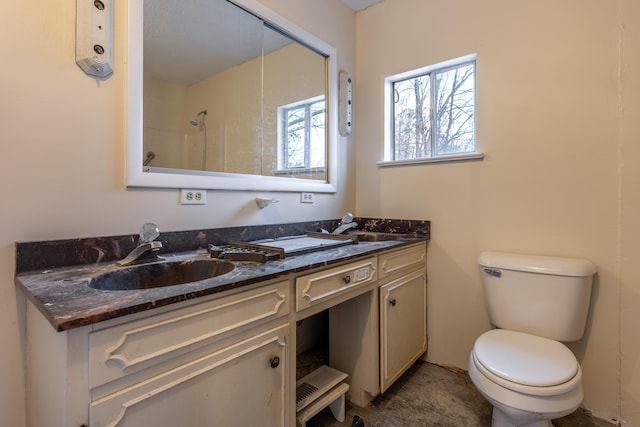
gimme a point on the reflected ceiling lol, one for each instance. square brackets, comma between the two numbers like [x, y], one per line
[199, 44]
[359, 5]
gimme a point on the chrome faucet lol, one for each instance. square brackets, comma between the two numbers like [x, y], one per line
[147, 246]
[345, 224]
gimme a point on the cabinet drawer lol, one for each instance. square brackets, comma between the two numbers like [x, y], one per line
[326, 284]
[403, 259]
[124, 349]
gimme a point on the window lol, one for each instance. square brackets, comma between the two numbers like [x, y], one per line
[431, 112]
[301, 135]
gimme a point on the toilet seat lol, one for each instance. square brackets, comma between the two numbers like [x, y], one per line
[526, 363]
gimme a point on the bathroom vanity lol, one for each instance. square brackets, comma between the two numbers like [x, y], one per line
[220, 351]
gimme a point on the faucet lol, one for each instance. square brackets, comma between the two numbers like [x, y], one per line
[147, 246]
[345, 224]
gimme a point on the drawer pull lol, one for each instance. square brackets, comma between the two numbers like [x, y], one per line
[274, 362]
[346, 279]
[392, 302]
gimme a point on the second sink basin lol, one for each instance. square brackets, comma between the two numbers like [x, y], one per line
[160, 274]
[369, 236]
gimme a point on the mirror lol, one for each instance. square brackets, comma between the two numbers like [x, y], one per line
[223, 98]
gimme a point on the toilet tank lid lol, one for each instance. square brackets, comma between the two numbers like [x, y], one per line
[537, 264]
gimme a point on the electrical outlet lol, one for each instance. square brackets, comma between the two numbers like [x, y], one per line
[193, 197]
[306, 198]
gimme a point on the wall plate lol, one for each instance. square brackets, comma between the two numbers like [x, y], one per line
[193, 197]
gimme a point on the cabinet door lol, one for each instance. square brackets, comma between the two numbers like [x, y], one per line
[238, 385]
[128, 348]
[403, 325]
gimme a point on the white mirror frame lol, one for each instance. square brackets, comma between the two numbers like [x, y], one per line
[136, 177]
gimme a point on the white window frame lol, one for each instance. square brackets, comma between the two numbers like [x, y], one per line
[281, 135]
[389, 116]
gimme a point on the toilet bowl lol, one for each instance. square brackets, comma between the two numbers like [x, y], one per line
[529, 380]
[522, 367]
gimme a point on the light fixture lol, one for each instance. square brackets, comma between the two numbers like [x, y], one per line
[94, 37]
[345, 100]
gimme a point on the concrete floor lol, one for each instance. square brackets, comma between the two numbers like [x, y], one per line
[429, 395]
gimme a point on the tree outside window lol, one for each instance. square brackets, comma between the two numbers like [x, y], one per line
[433, 113]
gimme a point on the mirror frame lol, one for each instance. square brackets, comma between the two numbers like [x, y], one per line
[178, 178]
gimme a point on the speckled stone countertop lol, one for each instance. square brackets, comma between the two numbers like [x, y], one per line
[54, 275]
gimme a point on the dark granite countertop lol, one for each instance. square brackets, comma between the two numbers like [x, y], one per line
[63, 296]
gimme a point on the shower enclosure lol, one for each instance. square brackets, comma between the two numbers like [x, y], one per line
[185, 148]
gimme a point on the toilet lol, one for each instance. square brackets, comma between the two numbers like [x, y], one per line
[522, 367]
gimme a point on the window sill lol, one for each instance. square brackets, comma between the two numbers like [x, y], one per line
[439, 159]
[299, 171]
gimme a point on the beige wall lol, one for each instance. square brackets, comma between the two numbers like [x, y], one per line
[630, 212]
[559, 129]
[62, 171]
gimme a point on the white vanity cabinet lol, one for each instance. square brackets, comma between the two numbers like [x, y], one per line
[221, 362]
[403, 311]
[229, 359]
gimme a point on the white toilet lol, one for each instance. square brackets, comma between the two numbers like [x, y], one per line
[522, 368]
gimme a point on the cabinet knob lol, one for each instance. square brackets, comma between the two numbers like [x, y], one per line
[274, 362]
[392, 302]
[346, 279]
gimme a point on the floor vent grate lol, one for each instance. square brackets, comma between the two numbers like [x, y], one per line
[303, 391]
[317, 383]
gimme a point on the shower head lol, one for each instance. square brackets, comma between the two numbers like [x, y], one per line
[196, 120]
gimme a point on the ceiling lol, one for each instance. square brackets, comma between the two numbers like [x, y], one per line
[359, 5]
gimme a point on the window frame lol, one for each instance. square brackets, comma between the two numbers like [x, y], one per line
[283, 140]
[389, 119]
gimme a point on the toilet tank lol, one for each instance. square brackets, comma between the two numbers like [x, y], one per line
[539, 295]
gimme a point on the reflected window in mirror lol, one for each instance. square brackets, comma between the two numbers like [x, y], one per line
[301, 137]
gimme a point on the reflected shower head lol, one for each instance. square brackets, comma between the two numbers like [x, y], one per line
[196, 120]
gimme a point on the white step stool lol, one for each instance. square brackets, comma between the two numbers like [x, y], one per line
[320, 389]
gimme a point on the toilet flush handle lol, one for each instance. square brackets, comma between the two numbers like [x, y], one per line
[493, 272]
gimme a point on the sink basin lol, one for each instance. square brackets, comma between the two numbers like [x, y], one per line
[160, 274]
[381, 237]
